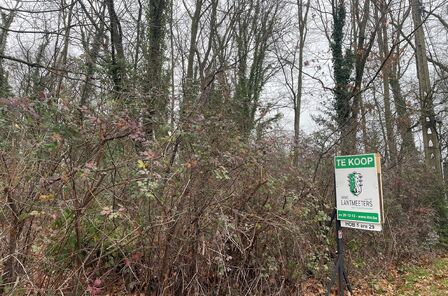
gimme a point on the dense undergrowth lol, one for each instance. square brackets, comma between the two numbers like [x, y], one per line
[90, 205]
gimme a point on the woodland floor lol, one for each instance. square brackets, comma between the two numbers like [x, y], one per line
[425, 277]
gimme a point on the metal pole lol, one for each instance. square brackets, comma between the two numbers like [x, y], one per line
[340, 267]
[340, 248]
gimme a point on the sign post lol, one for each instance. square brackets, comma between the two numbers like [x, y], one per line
[359, 204]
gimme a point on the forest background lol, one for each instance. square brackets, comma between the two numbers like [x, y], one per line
[186, 147]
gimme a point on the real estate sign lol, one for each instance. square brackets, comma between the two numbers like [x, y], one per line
[359, 201]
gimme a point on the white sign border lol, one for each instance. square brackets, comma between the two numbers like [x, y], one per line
[378, 227]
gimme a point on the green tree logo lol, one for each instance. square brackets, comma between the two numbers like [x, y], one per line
[355, 183]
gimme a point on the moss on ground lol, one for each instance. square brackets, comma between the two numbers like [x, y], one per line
[427, 279]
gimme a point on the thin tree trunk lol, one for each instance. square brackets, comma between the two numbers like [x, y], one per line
[172, 57]
[155, 86]
[117, 50]
[38, 86]
[138, 37]
[6, 22]
[380, 120]
[10, 274]
[303, 9]
[384, 54]
[15, 226]
[63, 58]
[362, 50]
[403, 119]
[189, 77]
[365, 138]
[91, 59]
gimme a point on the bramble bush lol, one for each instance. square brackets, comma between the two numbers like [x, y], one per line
[92, 206]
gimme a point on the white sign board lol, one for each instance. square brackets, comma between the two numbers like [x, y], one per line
[359, 200]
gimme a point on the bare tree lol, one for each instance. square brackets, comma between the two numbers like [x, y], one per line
[6, 21]
[92, 52]
[404, 122]
[118, 66]
[383, 45]
[427, 118]
[303, 10]
[155, 85]
[253, 41]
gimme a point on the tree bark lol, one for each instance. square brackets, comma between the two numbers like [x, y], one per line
[189, 92]
[404, 122]
[342, 68]
[303, 9]
[90, 62]
[362, 51]
[6, 22]
[63, 58]
[155, 86]
[427, 118]
[118, 66]
[391, 144]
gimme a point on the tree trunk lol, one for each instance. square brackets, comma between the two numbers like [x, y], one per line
[91, 59]
[427, 118]
[63, 58]
[362, 51]
[118, 66]
[342, 68]
[365, 137]
[155, 86]
[408, 149]
[172, 66]
[6, 22]
[303, 9]
[188, 98]
[383, 46]
[15, 229]
[254, 29]
[403, 120]
[138, 37]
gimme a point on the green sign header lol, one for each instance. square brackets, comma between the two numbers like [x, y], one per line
[355, 161]
[358, 216]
